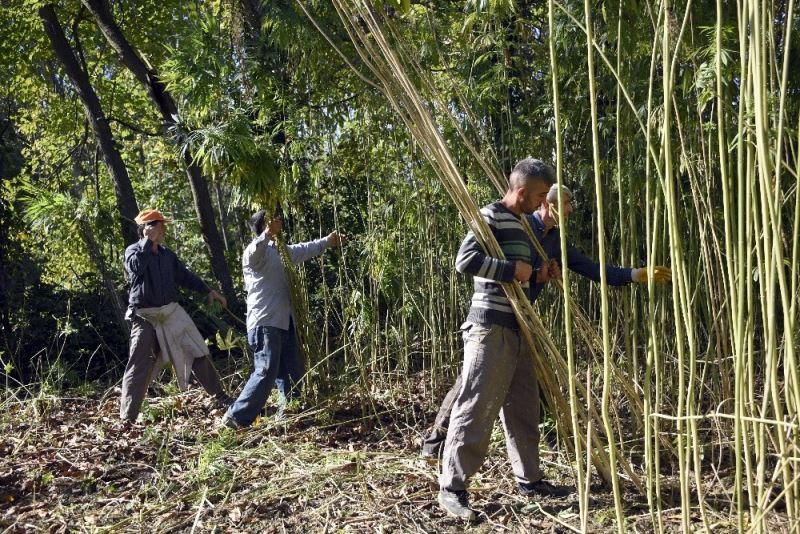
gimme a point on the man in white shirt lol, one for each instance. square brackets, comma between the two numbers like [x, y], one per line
[270, 326]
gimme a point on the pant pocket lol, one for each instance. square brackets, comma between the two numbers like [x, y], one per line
[476, 333]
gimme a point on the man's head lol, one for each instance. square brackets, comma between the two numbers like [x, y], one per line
[151, 223]
[528, 185]
[551, 216]
[259, 221]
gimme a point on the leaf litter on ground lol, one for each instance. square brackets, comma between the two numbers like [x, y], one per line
[350, 463]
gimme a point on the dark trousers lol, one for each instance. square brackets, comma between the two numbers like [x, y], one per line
[275, 362]
[144, 362]
[434, 442]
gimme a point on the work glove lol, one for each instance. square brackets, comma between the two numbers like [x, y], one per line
[659, 273]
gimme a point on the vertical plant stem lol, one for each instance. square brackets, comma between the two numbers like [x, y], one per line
[607, 353]
[583, 496]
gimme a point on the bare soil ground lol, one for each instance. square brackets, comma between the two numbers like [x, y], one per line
[347, 465]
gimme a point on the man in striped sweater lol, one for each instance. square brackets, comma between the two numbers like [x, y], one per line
[545, 225]
[498, 374]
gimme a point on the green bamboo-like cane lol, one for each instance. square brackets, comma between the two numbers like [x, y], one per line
[741, 297]
[550, 366]
[681, 285]
[583, 495]
[653, 366]
[598, 188]
[768, 165]
[776, 285]
[730, 249]
[677, 260]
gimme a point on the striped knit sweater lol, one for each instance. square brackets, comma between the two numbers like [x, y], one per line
[489, 302]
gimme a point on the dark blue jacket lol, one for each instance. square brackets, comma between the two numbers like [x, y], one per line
[154, 276]
[576, 261]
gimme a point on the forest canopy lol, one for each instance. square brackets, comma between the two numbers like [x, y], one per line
[673, 124]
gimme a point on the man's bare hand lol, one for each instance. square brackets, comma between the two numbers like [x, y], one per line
[522, 271]
[543, 274]
[155, 233]
[335, 239]
[274, 227]
[554, 269]
[152, 232]
[214, 295]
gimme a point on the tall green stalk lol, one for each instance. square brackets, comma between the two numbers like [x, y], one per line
[607, 353]
[583, 497]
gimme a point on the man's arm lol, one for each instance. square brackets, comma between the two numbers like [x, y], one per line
[578, 262]
[471, 259]
[186, 278]
[301, 252]
[137, 258]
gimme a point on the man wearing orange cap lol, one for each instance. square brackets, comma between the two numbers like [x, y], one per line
[161, 330]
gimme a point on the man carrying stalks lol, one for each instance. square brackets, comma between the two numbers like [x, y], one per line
[498, 374]
[270, 322]
[464, 452]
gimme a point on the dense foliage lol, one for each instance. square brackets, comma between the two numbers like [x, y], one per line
[269, 102]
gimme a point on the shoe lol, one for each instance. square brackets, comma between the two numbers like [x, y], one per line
[543, 488]
[230, 422]
[432, 448]
[456, 504]
[428, 457]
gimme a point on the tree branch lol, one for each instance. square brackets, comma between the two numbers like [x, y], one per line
[134, 128]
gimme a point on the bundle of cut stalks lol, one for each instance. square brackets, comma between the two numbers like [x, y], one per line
[307, 342]
[366, 32]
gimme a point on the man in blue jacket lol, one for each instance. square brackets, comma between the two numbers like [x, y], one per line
[155, 273]
[544, 222]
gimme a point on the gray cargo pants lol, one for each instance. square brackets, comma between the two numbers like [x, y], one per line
[498, 377]
[144, 362]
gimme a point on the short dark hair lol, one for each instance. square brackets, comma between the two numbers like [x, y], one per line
[140, 230]
[531, 169]
[257, 222]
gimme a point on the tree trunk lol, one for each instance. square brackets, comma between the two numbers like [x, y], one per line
[223, 218]
[252, 18]
[163, 100]
[126, 199]
[93, 247]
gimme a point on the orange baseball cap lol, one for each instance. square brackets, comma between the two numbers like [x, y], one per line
[146, 216]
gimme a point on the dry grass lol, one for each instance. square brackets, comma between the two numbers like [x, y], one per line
[68, 465]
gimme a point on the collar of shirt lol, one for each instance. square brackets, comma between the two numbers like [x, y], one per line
[536, 222]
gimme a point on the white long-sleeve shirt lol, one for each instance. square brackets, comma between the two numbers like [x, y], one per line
[268, 298]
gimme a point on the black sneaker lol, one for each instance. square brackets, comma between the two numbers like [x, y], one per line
[543, 488]
[456, 503]
[230, 422]
[428, 458]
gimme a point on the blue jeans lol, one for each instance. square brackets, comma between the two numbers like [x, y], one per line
[275, 361]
